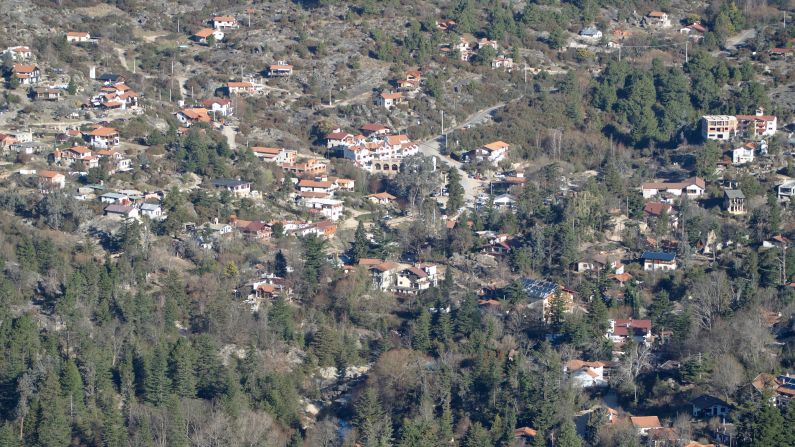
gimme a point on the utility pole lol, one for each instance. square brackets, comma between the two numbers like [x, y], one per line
[619, 52]
[177, 24]
[133, 64]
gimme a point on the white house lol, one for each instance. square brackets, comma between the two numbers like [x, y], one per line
[493, 152]
[26, 74]
[586, 374]
[786, 189]
[693, 187]
[203, 34]
[413, 280]
[657, 260]
[591, 34]
[389, 100]
[330, 208]
[638, 330]
[757, 125]
[152, 210]
[225, 22]
[114, 197]
[706, 406]
[78, 36]
[218, 106]
[104, 137]
[275, 154]
[659, 19]
[19, 53]
[239, 188]
[743, 154]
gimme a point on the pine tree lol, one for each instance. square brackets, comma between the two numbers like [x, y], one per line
[313, 260]
[568, 435]
[361, 245]
[477, 436]
[72, 87]
[442, 326]
[177, 433]
[156, 383]
[280, 317]
[114, 433]
[72, 385]
[539, 440]
[421, 333]
[7, 436]
[53, 429]
[325, 346]
[280, 265]
[375, 426]
[597, 316]
[181, 366]
[446, 424]
[210, 374]
[765, 428]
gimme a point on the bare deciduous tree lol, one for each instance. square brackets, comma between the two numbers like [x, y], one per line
[712, 297]
[636, 360]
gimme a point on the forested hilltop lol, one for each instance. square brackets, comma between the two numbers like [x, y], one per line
[370, 223]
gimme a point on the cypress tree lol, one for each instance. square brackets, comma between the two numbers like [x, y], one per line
[361, 246]
[455, 191]
[280, 265]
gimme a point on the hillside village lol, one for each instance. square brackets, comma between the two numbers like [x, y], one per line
[449, 223]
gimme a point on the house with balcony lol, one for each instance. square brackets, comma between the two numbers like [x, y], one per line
[413, 280]
[786, 190]
[331, 209]
[734, 201]
[103, 137]
[218, 106]
[757, 125]
[275, 154]
[280, 69]
[26, 74]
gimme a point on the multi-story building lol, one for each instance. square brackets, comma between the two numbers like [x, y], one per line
[718, 127]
